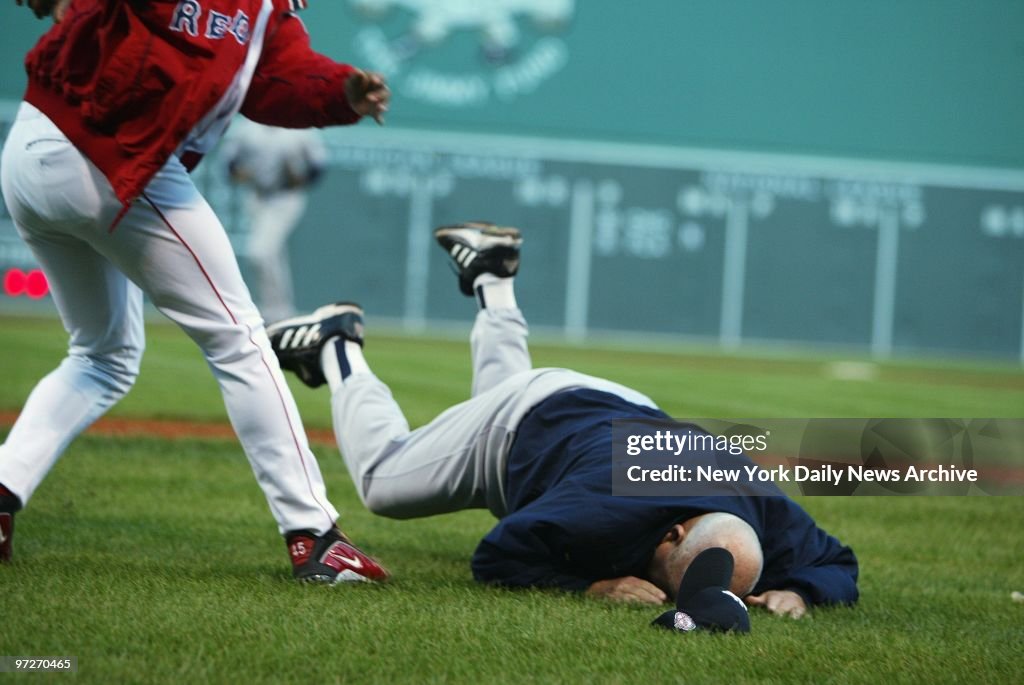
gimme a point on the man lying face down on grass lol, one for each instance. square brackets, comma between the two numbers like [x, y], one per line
[534, 447]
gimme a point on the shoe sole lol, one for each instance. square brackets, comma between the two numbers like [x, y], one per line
[319, 315]
[346, 577]
[507, 236]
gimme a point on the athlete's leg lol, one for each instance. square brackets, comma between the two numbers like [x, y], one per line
[486, 258]
[173, 245]
[102, 312]
[498, 339]
[447, 465]
[53, 197]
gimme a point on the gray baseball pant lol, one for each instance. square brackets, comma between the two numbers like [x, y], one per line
[458, 460]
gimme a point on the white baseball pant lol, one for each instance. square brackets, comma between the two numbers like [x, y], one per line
[170, 246]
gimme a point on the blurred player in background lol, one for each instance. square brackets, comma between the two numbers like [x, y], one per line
[534, 447]
[123, 99]
[277, 166]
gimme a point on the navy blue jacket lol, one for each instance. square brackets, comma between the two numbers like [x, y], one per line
[565, 529]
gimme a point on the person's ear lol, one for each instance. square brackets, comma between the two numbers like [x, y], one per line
[676, 534]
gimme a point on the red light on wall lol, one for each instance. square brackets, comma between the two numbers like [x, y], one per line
[36, 285]
[18, 283]
[14, 282]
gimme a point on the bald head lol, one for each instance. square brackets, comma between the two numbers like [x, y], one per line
[688, 539]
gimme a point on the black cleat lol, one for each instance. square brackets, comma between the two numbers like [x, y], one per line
[331, 558]
[297, 341]
[478, 247]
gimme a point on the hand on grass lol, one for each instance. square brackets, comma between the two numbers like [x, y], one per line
[779, 602]
[628, 589]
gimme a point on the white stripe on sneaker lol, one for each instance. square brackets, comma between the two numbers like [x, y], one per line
[312, 335]
[286, 338]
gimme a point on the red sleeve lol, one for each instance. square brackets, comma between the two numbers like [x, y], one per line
[295, 87]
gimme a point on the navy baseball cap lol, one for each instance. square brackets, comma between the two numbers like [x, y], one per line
[704, 601]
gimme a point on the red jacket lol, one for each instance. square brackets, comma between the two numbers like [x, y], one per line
[127, 81]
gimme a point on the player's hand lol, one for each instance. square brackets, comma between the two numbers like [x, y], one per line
[628, 589]
[44, 8]
[368, 94]
[779, 602]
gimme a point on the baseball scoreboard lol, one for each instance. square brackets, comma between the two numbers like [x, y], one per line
[720, 246]
[724, 247]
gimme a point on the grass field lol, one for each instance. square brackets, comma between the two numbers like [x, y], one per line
[157, 561]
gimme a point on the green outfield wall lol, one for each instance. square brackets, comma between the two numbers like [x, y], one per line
[828, 173]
